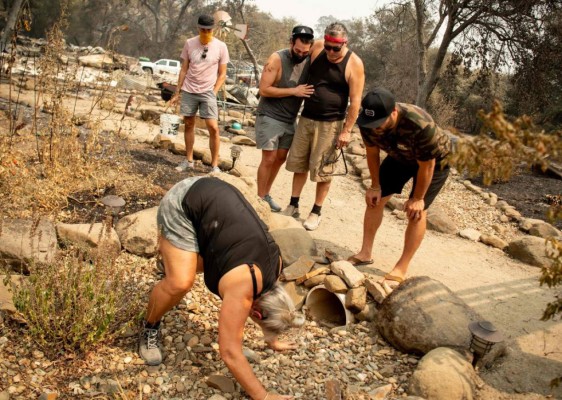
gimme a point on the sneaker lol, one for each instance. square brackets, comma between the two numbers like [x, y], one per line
[291, 211]
[272, 204]
[312, 222]
[184, 166]
[215, 170]
[149, 346]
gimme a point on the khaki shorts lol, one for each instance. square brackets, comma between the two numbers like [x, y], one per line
[312, 141]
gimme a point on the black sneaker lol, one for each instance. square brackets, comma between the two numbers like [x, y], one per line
[149, 345]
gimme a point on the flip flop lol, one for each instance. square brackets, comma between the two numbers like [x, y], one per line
[390, 282]
[355, 261]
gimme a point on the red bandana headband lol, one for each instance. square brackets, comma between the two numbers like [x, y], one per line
[332, 39]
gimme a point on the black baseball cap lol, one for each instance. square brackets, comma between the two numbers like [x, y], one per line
[205, 22]
[376, 106]
[302, 31]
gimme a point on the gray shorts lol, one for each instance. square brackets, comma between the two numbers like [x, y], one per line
[172, 222]
[206, 103]
[272, 134]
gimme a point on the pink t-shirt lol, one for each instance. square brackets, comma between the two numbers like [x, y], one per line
[202, 72]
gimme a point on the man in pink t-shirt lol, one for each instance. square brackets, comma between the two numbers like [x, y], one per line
[203, 72]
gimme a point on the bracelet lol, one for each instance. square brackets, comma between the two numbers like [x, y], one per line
[374, 189]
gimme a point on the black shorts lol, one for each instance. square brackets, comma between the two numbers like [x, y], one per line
[394, 174]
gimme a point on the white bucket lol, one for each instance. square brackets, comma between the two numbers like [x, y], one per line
[328, 308]
[169, 124]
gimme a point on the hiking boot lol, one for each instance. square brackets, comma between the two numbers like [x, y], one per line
[149, 346]
[312, 222]
[291, 211]
[272, 204]
[184, 166]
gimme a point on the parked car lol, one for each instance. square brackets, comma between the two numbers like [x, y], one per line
[163, 65]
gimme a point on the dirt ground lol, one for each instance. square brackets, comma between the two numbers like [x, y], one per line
[499, 288]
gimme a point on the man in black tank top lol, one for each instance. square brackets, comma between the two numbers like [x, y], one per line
[282, 89]
[337, 75]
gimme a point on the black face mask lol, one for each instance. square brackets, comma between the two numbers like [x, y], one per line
[296, 59]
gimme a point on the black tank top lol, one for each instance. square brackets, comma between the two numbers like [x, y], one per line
[229, 232]
[331, 91]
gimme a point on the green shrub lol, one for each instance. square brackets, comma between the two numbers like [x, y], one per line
[82, 299]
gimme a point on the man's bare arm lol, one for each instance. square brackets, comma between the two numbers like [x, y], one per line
[271, 76]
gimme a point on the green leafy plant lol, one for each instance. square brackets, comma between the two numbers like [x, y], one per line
[82, 299]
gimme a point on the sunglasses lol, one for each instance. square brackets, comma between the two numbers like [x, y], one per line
[204, 54]
[335, 49]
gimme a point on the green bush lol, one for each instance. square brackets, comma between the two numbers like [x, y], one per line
[82, 299]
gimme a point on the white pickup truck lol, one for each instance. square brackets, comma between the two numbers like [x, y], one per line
[164, 65]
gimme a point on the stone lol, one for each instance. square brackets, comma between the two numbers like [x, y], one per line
[4, 395]
[221, 382]
[93, 235]
[333, 390]
[25, 241]
[235, 114]
[294, 243]
[504, 218]
[7, 306]
[422, 314]
[470, 234]
[513, 214]
[360, 164]
[138, 232]
[217, 397]
[345, 270]
[527, 223]
[230, 129]
[375, 290]
[243, 140]
[544, 230]
[438, 221]
[357, 149]
[312, 274]
[335, 284]
[443, 374]
[380, 393]
[395, 203]
[251, 355]
[356, 299]
[315, 281]
[502, 205]
[297, 269]
[48, 396]
[494, 241]
[368, 313]
[530, 250]
[297, 293]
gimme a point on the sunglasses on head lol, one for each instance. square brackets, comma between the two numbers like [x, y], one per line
[204, 54]
[335, 49]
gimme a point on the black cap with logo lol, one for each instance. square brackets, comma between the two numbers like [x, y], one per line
[205, 22]
[377, 105]
[302, 31]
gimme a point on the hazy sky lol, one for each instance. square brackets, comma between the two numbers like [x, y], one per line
[307, 12]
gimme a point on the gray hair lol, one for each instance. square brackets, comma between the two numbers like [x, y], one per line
[336, 29]
[278, 311]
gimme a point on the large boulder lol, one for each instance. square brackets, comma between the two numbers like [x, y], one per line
[293, 240]
[530, 250]
[138, 232]
[92, 235]
[443, 374]
[423, 314]
[23, 242]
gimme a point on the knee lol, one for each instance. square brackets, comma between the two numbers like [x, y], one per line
[189, 124]
[268, 159]
[177, 287]
[213, 130]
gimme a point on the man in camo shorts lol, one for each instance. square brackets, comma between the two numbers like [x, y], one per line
[416, 148]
